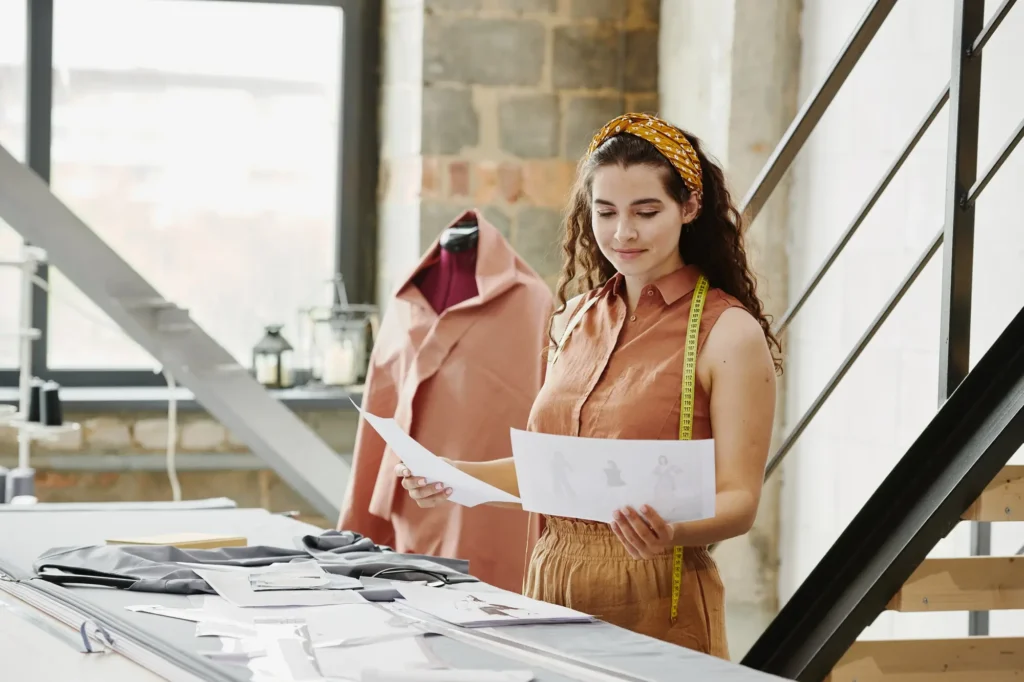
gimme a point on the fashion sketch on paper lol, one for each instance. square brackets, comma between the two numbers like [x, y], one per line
[560, 470]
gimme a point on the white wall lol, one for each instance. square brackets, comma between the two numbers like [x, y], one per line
[727, 73]
[695, 69]
[892, 391]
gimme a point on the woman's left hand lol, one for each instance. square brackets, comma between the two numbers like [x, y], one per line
[643, 533]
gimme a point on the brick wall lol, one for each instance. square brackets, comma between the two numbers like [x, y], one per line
[119, 458]
[504, 98]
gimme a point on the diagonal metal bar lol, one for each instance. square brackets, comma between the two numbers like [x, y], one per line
[997, 163]
[805, 122]
[990, 28]
[862, 214]
[861, 344]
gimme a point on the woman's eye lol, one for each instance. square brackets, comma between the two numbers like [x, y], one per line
[648, 214]
[605, 214]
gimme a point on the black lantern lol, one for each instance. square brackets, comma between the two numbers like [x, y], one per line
[271, 359]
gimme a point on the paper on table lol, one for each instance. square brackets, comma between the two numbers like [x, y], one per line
[466, 490]
[214, 567]
[487, 608]
[377, 675]
[193, 615]
[299, 575]
[589, 478]
[235, 588]
[329, 626]
[223, 628]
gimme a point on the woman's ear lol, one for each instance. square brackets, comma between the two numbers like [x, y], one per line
[691, 208]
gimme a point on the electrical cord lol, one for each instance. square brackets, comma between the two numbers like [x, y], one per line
[172, 397]
[172, 436]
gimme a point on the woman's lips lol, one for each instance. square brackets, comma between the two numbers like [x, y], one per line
[629, 254]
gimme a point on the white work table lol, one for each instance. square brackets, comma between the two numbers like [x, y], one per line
[34, 652]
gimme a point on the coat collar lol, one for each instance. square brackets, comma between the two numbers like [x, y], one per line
[497, 266]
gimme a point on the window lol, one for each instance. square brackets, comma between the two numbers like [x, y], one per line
[13, 28]
[200, 140]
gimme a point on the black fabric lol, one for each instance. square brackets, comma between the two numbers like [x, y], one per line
[154, 568]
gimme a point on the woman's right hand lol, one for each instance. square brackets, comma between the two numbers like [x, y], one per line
[425, 494]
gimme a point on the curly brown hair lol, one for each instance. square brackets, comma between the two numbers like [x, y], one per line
[713, 241]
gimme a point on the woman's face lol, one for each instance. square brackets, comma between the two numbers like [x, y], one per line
[636, 223]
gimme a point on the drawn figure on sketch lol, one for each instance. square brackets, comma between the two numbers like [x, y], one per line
[665, 484]
[560, 469]
[614, 475]
[472, 603]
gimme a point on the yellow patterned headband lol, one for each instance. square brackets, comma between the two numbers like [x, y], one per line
[665, 137]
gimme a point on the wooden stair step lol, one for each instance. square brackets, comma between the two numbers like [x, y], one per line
[1002, 500]
[981, 583]
[965, 659]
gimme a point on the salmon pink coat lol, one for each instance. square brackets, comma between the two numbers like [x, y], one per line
[456, 382]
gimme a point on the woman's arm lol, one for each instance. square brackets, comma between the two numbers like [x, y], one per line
[737, 369]
[741, 376]
[501, 473]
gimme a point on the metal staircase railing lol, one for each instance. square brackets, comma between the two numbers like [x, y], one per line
[949, 465]
[963, 187]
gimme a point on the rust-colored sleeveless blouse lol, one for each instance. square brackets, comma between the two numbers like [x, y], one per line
[618, 375]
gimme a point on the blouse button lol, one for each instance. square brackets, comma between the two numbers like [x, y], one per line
[632, 318]
[650, 292]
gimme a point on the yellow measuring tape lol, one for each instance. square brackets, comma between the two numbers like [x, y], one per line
[686, 414]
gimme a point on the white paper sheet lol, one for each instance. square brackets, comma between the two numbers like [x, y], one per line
[236, 589]
[214, 567]
[329, 626]
[487, 608]
[192, 615]
[218, 628]
[466, 490]
[589, 478]
[377, 675]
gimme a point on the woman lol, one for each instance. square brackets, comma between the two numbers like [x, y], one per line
[650, 224]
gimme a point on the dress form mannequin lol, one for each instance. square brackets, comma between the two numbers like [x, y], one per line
[452, 278]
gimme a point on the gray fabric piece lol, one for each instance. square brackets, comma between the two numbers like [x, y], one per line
[154, 568]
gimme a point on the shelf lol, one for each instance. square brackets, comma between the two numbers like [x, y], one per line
[37, 431]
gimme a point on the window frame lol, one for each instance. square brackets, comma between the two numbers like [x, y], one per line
[355, 194]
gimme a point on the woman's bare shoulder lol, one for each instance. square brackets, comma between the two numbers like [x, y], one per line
[737, 344]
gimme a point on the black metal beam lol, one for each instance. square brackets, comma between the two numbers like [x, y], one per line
[969, 440]
[961, 174]
[862, 214]
[358, 149]
[807, 119]
[997, 163]
[858, 348]
[39, 123]
[958, 256]
[992, 25]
